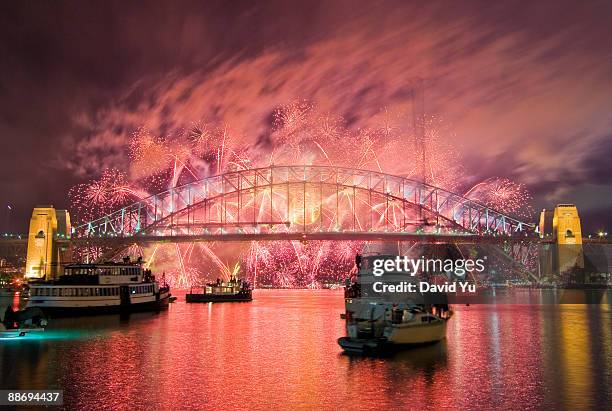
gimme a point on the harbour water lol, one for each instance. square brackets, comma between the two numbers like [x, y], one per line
[280, 352]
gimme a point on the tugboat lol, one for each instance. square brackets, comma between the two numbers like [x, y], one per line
[110, 287]
[376, 326]
[234, 290]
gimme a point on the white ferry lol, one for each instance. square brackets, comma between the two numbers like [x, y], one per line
[99, 289]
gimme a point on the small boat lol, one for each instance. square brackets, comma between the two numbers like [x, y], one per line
[388, 327]
[234, 290]
[19, 332]
[376, 326]
[16, 324]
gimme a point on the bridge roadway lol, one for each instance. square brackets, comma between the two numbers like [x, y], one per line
[14, 249]
[314, 236]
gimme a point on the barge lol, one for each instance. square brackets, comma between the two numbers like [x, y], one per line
[234, 290]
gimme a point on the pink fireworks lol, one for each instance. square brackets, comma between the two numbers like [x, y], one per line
[300, 134]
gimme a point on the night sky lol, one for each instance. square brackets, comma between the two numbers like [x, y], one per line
[525, 88]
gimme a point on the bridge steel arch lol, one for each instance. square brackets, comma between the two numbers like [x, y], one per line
[303, 201]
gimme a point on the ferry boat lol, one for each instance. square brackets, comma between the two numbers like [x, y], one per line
[376, 326]
[234, 290]
[99, 289]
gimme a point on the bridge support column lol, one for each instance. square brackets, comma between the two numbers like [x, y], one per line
[49, 231]
[563, 257]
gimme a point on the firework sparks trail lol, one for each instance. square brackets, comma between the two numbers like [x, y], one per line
[300, 134]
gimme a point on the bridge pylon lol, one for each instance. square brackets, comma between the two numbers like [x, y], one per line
[562, 254]
[49, 232]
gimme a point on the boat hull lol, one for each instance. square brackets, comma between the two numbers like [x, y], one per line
[87, 310]
[216, 298]
[20, 332]
[365, 346]
[417, 334]
[383, 346]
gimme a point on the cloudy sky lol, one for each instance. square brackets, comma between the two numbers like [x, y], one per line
[525, 88]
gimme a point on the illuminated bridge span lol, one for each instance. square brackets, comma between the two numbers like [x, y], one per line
[304, 202]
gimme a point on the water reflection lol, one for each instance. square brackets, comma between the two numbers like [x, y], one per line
[280, 351]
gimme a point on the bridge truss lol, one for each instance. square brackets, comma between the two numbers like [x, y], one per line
[303, 202]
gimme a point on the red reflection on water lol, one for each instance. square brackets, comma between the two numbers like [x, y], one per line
[280, 351]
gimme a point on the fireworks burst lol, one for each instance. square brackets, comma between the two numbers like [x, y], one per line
[503, 195]
[300, 134]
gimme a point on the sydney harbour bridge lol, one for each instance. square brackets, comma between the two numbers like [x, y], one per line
[308, 203]
[304, 202]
